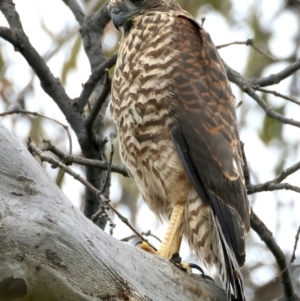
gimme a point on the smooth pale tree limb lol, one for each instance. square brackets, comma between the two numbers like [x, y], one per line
[50, 251]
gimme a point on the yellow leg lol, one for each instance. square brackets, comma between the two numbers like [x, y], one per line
[172, 240]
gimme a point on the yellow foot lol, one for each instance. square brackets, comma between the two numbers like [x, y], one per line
[144, 246]
[172, 240]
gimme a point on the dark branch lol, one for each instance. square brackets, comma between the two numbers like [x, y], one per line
[249, 42]
[266, 236]
[291, 99]
[99, 102]
[274, 184]
[108, 173]
[271, 187]
[51, 85]
[68, 160]
[20, 111]
[9, 35]
[295, 246]
[246, 86]
[93, 80]
[102, 17]
[91, 139]
[148, 233]
[277, 77]
[76, 10]
[8, 9]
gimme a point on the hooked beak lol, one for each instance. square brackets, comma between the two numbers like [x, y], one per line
[119, 17]
[122, 13]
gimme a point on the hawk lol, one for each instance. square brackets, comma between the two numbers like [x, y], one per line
[178, 134]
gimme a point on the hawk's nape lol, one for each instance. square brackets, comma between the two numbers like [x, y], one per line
[178, 133]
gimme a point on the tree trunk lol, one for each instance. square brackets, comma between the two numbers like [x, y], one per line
[50, 251]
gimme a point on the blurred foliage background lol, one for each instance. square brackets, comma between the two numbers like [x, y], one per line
[270, 145]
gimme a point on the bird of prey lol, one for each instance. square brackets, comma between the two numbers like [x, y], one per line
[178, 134]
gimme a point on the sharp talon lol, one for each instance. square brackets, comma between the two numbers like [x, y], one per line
[138, 243]
[208, 278]
[187, 267]
[197, 267]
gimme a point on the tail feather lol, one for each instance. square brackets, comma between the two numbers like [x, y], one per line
[234, 280]
[206, 238]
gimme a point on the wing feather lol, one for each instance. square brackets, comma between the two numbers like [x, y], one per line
[206, 135]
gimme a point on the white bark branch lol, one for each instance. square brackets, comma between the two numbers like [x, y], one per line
[50, 251]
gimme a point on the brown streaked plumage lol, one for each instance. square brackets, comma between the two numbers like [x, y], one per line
[178, 134]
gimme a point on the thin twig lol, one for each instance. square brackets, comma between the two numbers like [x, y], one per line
[238, 104]
[68, 160]
[51, 85]
[246, 86]
[99, 102]
[36, 151]
[277, 77]
[108, 174]
[126, 222]
[271, 187]
[275, 93]
[245, 166]
[293, 258]
[249, 42]
[20, 111]
[94, 78]
[148, 233]
[275, 183]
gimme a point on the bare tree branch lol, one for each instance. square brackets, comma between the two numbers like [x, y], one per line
[93, 80]
[291, 99]
[147, 233]
[99, 102]
[266, 236]
[271, 187]
[8, 9]
[107, 180]
[274, 184]
[249, 42]
[68, 160]
[76, 9]
[293, 258]
[51, 85]
[277, 77]
[91, 142]
[20, 111]
[246, 86]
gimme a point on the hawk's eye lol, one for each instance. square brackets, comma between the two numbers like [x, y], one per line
[137, 1]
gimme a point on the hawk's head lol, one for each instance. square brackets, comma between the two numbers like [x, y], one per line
[123, 12]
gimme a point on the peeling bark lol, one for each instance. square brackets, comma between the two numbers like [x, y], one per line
[50, 251]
